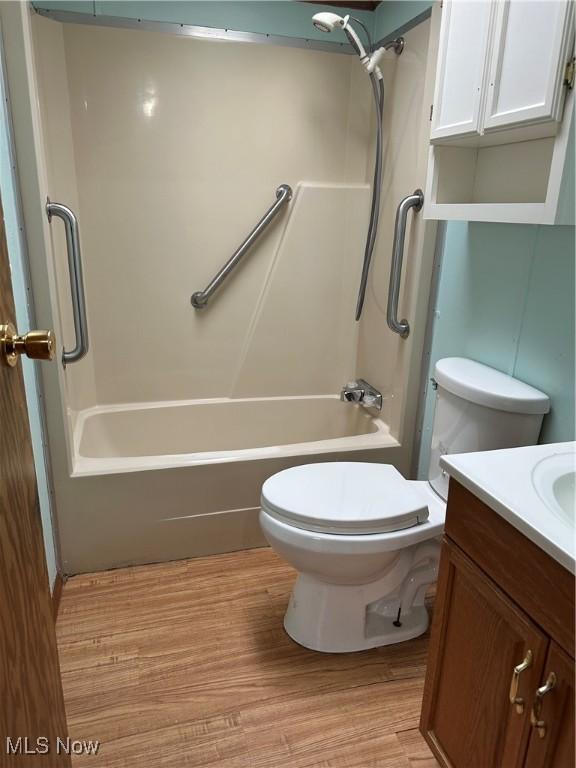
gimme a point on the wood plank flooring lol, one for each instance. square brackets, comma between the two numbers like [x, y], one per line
[187, 664]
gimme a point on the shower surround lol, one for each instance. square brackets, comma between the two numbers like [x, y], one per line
[169, 149]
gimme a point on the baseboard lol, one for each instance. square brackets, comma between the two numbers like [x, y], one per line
[57, 594]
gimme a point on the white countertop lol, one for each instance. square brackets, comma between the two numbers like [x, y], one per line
[503, 480]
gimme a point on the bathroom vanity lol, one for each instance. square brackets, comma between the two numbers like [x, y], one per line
[500, 681]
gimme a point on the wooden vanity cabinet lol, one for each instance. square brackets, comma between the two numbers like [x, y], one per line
[556, 747]
[502, 604]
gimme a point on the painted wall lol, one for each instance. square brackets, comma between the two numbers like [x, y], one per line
[391, 15]
[275, 17]
[506, 299]
[16, 251]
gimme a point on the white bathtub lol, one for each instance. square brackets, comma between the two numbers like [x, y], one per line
[143, 436]
[154, 482]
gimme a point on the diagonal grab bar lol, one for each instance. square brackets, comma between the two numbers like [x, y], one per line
[283, 196]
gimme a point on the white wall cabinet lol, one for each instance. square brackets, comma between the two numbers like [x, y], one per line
[500, 65]
[461, 68]
[502, 123]
[528, 58]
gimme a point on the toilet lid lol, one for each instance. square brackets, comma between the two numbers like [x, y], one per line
[344, 498]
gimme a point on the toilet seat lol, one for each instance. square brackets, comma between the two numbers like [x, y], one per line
[344, 498]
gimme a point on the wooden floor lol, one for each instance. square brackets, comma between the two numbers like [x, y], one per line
[186, 664]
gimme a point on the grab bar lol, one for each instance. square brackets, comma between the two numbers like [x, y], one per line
[76, 280]
[416, 201]
[283, 196]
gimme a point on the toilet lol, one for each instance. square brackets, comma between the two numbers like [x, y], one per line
[364, 540]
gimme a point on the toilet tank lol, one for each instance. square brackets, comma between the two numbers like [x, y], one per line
[480, 409]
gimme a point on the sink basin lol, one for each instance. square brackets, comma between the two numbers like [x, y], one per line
[554, 479]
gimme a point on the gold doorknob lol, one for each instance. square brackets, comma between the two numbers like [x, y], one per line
[38, 345]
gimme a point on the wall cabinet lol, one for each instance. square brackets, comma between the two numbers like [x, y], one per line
[500, 65]
[527, 62]
[502, 134]
[460, 69]
[500, 681]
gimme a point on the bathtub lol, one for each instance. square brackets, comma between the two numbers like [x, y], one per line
[162, 481]
[141, 436]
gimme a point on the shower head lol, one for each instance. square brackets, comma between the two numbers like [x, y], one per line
[327, 22]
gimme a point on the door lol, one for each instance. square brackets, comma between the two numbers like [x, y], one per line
[552, 741]
[31, 701]
[528, 57]
[486, 658]
[461, 68]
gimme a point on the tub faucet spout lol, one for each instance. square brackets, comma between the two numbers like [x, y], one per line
[363, 393]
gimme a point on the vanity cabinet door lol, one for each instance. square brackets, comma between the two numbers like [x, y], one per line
[527, 61]
[552, 715]
[461, 68]
[478, 639]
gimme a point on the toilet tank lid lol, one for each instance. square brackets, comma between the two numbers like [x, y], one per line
[486, 386]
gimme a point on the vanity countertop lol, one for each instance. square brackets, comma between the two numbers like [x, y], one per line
[513, 483]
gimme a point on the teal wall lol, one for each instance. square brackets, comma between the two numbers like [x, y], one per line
[9, 194]
[391, 15]
[276, 17]
[506, 298]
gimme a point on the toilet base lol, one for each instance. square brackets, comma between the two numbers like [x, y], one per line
[333, 618]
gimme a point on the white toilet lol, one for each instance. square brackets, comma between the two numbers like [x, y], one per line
[364, 540]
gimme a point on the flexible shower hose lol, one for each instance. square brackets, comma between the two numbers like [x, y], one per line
[378, 90]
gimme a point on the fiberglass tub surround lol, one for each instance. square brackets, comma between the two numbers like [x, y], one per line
[169, 150]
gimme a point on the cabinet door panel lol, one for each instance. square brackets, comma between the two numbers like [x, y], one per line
[555, 748]
[461, 67]
[527, 62]
[478, 637]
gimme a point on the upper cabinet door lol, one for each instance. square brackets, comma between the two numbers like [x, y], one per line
[529, 53]
[461, 68]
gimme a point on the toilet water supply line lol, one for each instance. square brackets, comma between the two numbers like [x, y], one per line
[327, 22]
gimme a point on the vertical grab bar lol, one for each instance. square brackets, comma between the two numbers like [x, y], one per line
[76, 280]
[416, 201]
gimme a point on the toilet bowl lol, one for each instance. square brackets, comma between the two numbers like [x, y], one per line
[356, 590]
[364, 540]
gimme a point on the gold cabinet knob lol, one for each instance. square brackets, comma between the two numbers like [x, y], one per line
[37, 345]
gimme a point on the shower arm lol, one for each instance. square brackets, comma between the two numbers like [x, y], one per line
[371, 65]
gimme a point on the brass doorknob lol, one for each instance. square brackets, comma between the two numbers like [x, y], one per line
[38, 345]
